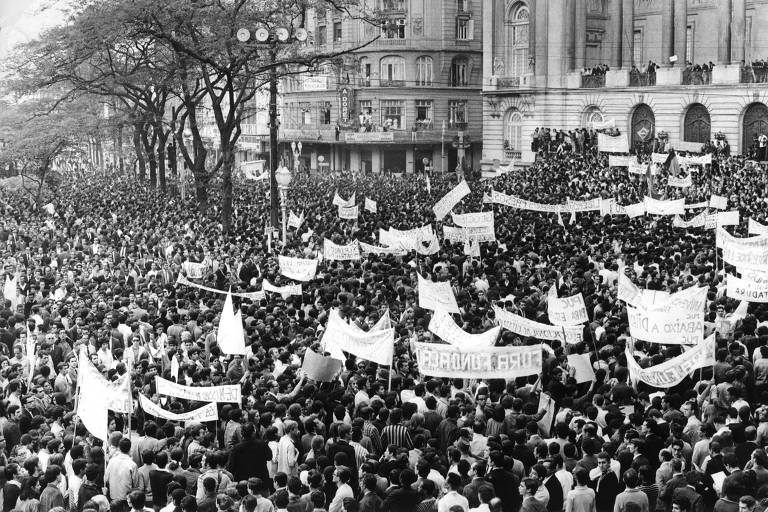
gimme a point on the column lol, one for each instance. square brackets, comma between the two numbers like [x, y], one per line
[628, 34]
[614, 31]
[739, 31]
[580, 35]
[556, 55]
[667, 33]
[488, 39]
[681, 32]
[540, 37]
[724, 10]
[570, 48]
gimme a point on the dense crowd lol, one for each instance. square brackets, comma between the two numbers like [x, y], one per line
[101, 273]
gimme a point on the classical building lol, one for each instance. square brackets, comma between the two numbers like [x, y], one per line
[570, 63]
[408, 100]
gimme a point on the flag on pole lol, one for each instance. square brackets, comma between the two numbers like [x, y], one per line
[429, 185]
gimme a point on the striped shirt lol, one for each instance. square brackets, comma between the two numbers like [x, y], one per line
[370, 431]
[397, 435]
[360, 453]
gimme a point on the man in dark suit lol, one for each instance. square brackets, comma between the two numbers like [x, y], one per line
[472, 489]
[605, 484]
[505, 483]
[249, 458]
[402, 498]
[689, 492]
[735, 483]
[678, 480]
[370, 502]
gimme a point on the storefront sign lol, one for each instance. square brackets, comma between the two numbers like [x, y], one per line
[346, 99]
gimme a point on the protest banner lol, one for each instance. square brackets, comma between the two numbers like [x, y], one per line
[602, 125]
[525, 327]
[436, 296]
[453, 234]
[438, 360]
[688, 147]
[350, 213]
[718, 202]
[294, 221]
[659, 207]
[230, 336]
[672, 372]
[546, 404]
[193, 270]
[693, 206]
[695, 222]
[333, 252]
[285, 291]
[371, 205]
[589, 205]
[635, 210]
[567, 311]
[377, 346]
[203, 414]
[581, 363]
[695, 160]
[408, 240]
[449, 200]
[744, 289]
[116, 394]
[675, 181]
[730, 218]
[443, 326]
[428, 247]
[320, 368]
[385, 322]
[755, 228]
[628, 291]
[91, 406]
[342, 203]
[690, 300]
[257, 296]
[748, 253]
[608, 144]
[636, 168]
[230, 393]
[368, 248]
[473, 220]
[659, 158]
[620, 160]
[298, 269]
[674, 327]
[609, 206]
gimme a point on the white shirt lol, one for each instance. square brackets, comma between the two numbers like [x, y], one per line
[344, 491]
[452, 498]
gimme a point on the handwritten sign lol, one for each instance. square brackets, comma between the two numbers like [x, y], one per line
[439, 360]
[202, 415]
[219, 394]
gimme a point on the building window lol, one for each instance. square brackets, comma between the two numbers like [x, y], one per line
[689, 43]
[365, 72]
[321, 36]
[393, 29]
[393, 5]
[424, 113]
[457, 113]
[306, 114]
[592, 117]
[462, 5]
[337, 35]
[637, 42]
[325, 113]
[464, 28]
[518, 42]
[392, 69]
[459, 72]
[392, 114]
[424, 71]
[513, 131]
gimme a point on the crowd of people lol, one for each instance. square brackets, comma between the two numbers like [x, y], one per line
[101, 271]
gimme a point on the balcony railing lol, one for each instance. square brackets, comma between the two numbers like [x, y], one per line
[638, 79]
[392, 83]
[592, 81]
[508, 82]
[511, 154]
[697, 77]
[754, 75]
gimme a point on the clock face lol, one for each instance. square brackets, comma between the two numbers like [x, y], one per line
[243, 35]
[282, 34]
[262, 35]
[301, 34]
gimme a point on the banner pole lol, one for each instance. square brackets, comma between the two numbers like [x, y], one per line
[389, 385]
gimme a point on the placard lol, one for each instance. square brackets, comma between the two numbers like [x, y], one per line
[438, 360]
[298, 269]
[436, 296]
[350, 213]
[219, 394]
[583, 366]
[567, 311]
[370, 205]
[203, 414]
[333, 252]
[672, 372]
[667, 327]
[449, 200]
[609, 144]
[320, 368]
[525, 327]
[744, 289]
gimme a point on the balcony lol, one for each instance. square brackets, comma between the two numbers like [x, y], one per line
[511, 154]
[592, 81]
[697, 77]
[638, 79]
[754, 74]
[392, 83]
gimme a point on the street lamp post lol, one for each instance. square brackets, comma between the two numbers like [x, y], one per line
[283, 177]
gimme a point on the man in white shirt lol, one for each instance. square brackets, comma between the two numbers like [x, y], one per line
[341, 476]
[485, 495]
[452, 497]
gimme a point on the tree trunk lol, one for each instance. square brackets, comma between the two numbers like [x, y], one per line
[228, 162]
[139, 151]
[150, 151]
[201, 187]
[120, 158]
[161, 165]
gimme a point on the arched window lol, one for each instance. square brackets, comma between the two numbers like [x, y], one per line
[518, 39]
[697, 125]
[592, 116]
[392, 69]
[424, 71]
[513, 130]
[459, 72]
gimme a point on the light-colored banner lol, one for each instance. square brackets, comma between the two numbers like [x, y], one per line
[583, 367]
[473, 220]
[453, 234]
[436, 296]
[432, 247]
[674, 181]
[568, 311]
[608, 144]
[603, 125]
[350, 213]
[385, 322]
[672, 372]
[659, 207]
[438, 360]
[298, 269]
[117, 393]
[230, 336]
[696, 222]
[285, 291]
[588, 205]
[755, 228]
[666, 327]
[193, 270]
[333, 252]
[730, 218]
[718, 202]
[693, 206]
[525, 327]
[203, 414]
[635, 210]
[377, 346]
[368, 248]
[659, 158]
[690, 147]
[91, 406]
[523, 204]
[620, 160]
[294, 221]
[320, 368]
[689, 300]
[371, 205]
[446, 329]
[636, 168]
[743, 289]
[449, 200]
[695, 160]
[748, 253]
[343, 203]
[219, 394]
[609, 206]
[408, 240]
[260, 295]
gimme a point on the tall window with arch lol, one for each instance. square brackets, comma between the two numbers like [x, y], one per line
[513, 130]
[392, 69]
[518, 39]
[424, 71]
[592, 117]
[459, 72]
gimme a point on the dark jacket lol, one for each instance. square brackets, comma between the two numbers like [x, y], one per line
[87, 491]
[249, 459]
[401, 500]
[606, 490]
[472, 490]
[506, 485]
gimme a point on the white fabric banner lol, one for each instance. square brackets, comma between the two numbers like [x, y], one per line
[436, 296]
[674, 327]
[230, 393]
[672, 372]
[620, 160]
[635, 210]
[730, 218]
[583, 367]
[193, 270]
[449, 200]
[294, 221]
[350, 213]
[453, 234]
[674, 181]
[432, 247]
[438, 360]
[568, 311]
[446, 329]
[342, 203]
[285, 291]
[298, 269]
[695, 160]
[659, 158]
[524, 327]
[91, 406]
[473, 220]
[689, 147]
[696, 222]
[368, 248]
[693, 206]
[608, 144]
[718, 202]
[748, 253]
[659, 207]
[244, 295]
[744, 289]
[755, 228]
[371, 205]
[231, 336]
[333, 252]
[116, 394]
[408, 240]
[636, 168]
[523, 204]
[203, 414]
[602, 125]
[377, 346]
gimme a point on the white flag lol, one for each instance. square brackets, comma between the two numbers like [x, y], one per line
[370, 205]
[230, 336]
